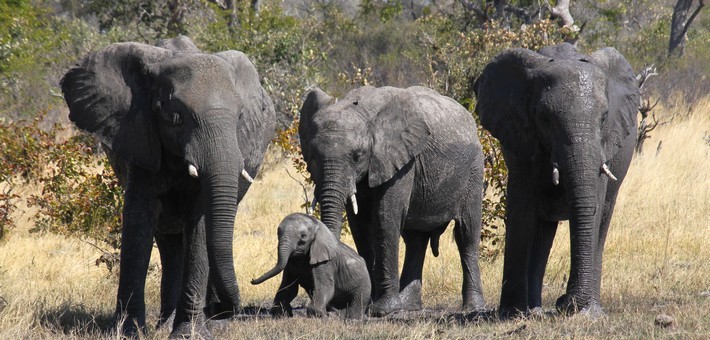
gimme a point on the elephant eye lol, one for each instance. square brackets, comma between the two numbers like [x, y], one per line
[357, 156]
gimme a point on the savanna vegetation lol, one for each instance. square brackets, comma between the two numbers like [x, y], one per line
[60, 203]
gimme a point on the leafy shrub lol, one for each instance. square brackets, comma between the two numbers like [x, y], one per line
[80, 195]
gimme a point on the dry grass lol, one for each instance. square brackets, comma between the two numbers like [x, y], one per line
[656, 262]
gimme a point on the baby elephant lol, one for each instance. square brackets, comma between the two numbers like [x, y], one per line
[333, 274]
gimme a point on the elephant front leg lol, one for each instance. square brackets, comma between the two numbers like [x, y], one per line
[323, 289]
[286, 293]
[171, 259]
[189, 317]
[542, 242]
[519, 227]
[390, 210]
[139, 218]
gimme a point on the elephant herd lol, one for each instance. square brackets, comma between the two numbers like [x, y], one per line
[186, 131]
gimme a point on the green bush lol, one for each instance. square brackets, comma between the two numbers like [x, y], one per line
[80, 195]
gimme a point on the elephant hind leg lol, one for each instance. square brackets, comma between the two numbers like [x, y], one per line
[358, 305]
[542, 242]
[467, 234]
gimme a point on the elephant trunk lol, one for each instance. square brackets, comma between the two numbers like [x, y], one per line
[332, 194]
[583, 180]
[286, 248]
[219, 163]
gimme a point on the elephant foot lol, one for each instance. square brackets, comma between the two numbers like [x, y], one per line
[165, 319]
[354, 314]
[570, 304]
[219, 311]
[191, 330]
[411, 296]
[130, 328]
[386, 305]
[509, 313]
[279, 311]
[593, 311]
[474, 303]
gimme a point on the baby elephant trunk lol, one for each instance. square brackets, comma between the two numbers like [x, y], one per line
[285, 250]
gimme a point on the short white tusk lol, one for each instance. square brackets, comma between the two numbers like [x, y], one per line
[555, 175]
[607, 172]
[246, 176]
[192, 170]
[353, 200]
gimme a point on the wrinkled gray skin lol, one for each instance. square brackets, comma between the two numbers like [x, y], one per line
[159, 111]
[413, 161]
[333, 274]
[558, 109]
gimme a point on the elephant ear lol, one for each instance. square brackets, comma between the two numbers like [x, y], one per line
[245, 74]
[325, 246]
[316, 99]
[399, 134]
[503, 92]
[180, 43]
[109, 94]
[563, 51]
[623, 97]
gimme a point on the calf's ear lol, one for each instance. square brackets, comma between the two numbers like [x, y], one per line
[325, 246]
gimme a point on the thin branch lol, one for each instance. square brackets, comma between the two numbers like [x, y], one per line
[95, 246]
[642, 77]
[305, 192]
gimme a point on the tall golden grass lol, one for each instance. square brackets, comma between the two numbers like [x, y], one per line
[656, 262]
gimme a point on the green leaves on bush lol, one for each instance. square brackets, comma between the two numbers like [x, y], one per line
[80, 195]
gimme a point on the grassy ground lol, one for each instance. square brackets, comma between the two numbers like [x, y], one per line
[656, 262]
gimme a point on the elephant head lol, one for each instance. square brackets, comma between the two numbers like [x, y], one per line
[371, 133]
[302, 235]
[568, 113]
[174, 113]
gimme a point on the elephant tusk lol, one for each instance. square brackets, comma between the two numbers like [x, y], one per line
[555, 175]
[607, 172]
[192, 170]
[246, 176]
[353, 200]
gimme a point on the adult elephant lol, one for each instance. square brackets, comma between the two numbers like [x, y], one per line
[412, 160]
[566, 123]
[180, 126]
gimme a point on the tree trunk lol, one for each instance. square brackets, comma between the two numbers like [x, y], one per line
[562, 13]
[680, 23]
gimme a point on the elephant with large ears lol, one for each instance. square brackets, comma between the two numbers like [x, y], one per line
[399, 162]
[187, 131]
[310, 256]
[566, 123]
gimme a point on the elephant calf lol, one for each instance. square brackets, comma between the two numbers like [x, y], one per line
[333, 274]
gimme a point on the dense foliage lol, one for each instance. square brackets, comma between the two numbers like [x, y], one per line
[80, 194]
[384, 43]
